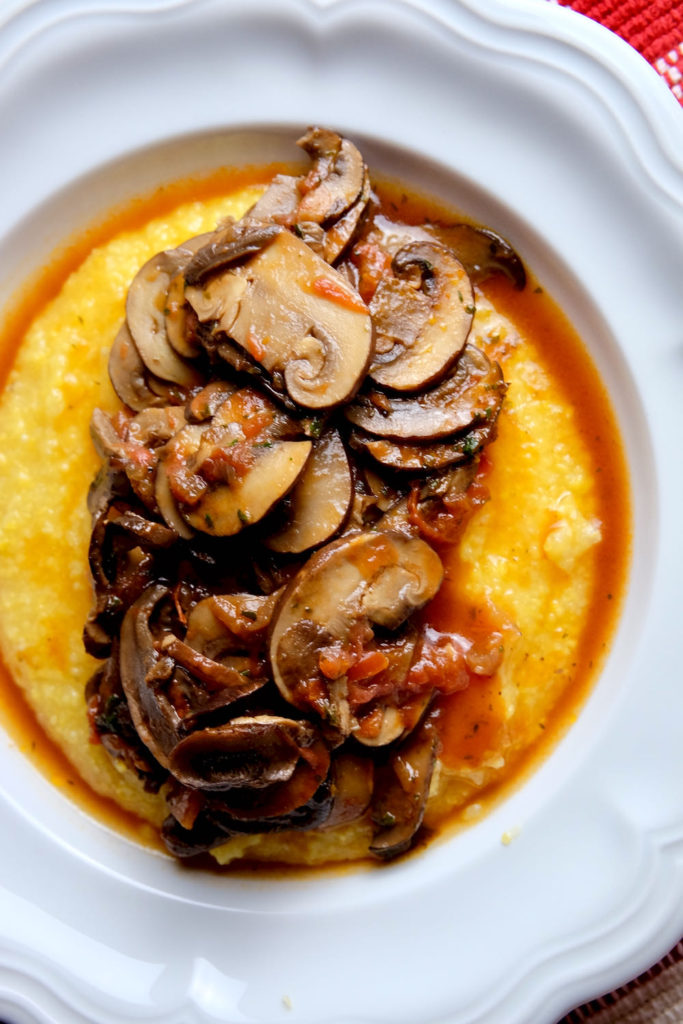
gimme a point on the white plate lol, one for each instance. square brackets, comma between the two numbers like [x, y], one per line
[552, 130]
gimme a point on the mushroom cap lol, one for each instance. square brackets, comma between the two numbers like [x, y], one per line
[420, 331]
[401, 791]
[336, 178]
[320, 500]
[296, 316]
[156, 721]
[145, 314]
[471, 394]
[362, 579]
[408, 456]
[245, 752]
[225, 510]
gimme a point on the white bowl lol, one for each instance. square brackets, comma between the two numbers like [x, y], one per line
[551, 129]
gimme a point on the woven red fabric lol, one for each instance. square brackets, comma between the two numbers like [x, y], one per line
[653, 27]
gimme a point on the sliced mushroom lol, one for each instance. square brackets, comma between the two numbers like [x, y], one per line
[128, 373]
[351, 785]
[340, 234]
[482, 251]
[207, 402]
[135, 459]
[225, 676]
[225, 510]
[471, 394]
[234, 242]
[423, 458]
[401, 791]
[433, 288]
[298, 318]
[156, 721]
[153, 427]
[336, 178]
[179, 325]
[245, 752]
[146, 317]
[279, 202]
[360, 580]
[166, 504]
[320, 500]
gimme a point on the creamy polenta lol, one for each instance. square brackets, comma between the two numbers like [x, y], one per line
[541, 560]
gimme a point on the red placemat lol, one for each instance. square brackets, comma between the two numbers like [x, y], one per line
[655, 29]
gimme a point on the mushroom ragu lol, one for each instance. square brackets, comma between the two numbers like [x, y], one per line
[356, 529]
[302, 424]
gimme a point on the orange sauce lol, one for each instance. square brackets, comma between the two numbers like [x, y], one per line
[471, 721]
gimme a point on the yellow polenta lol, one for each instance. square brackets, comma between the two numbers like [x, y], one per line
[529, 552]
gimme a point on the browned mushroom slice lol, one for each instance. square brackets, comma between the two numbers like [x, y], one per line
[339, 235]
[401, 791]
[351, 784]
[135, 459]
[422, 317]
[336, 178]
[146, 317]
[157, 425]
[357, 581]
[225, 675]
[127, 373]
[231, 243]
[297, 317]
[320, 500]
[471, 394]
[167, 505]
[279, 202]
[178, 325]
[422, 458]
[482, 251]
[245, 752]
[155, 719]
[224, 510]
[206, 402]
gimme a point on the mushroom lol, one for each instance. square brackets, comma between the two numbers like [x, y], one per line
[246, 752]
[233, 242]
[297, 317]
[320, 500]
[471, 394]
[208, 401]
[235, 620]
[146, 317]
[156, 721]
[358, 581]
[179, 324]
[423, 458]
[110, 721]
[336, 179]
[351, 781]
[279, 202]
[422, 315]
[228, 472]
[401, 791]
[128, 373]
[226, 509]
[339, 235]
[481, 251]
